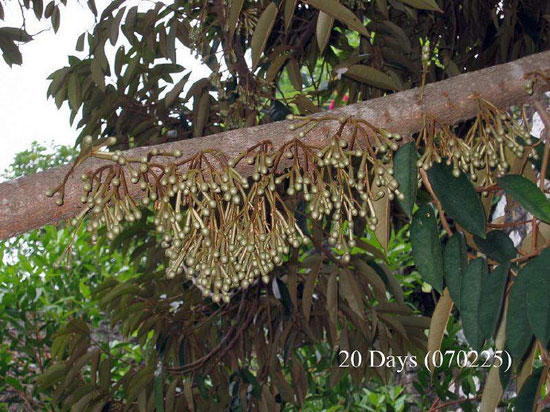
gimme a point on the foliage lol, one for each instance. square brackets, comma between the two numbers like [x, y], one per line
[258, 350]
[38, 297]
[39, 158]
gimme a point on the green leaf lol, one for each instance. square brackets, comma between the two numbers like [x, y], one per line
[283, 296]
[371, 76]
[423, 4]
[492, 294]
[249, 378]
[80, 42]
[52, 375]
[313, 263]
[97, 74]
[261, 33]
[406, 174]
[176, 91]
[115, 26]
[338, 11]
[537, 271]
[497, 246]
[518, 331]
[528, 195]
[539, 148]
[426, 247]
[458, 198]
[15, 34]
[470, 298]
[56, 19]
[529, 393]
[455, 262]
[159, 395]
[74, 92]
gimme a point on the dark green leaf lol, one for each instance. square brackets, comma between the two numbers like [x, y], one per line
[518, 331]
[458, 198]
[249, 378]
[492, 294]
[426, 247]
[423, 4]
[497, 246]
[15, 34]
[56, 19]
[283, 295]
[92, 7]
[528, 395]
[406, 174]
[455, 262]
[539, 148]
[38, 8]
[371, 76]
[74, 92]
[80, 42]
[159, 394]
[339, 11]
[470, 299]
[527, 194]
[537, 271]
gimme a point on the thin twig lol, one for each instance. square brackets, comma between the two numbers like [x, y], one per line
[428, 187]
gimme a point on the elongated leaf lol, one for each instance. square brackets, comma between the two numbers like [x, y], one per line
[494, 384]
[498, 246]
[426, 247]
[371, 76]
[518, 331]
[314, 263]
[406, 174]
[332, 303]
[159, 395]
[175, 92]
[352, 292]
[294, 74]
[262, 32]
[423, 4]
[74, 92]
[80, 42]
[529, 393]
[537, 271]
[338, 11]
[527, 194]
[470, 299]
[455, 262]
[492, 295]
[283, 295]
[382, 230]
[290, 5]
[235, 7]
[16, 34]
[323, 29]
[438, 323]
[97, 74]
[458, 198]
[275, 67]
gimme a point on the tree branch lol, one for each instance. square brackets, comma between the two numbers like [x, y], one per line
[24, 205]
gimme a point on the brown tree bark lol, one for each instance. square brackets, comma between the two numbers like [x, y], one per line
[24, 205]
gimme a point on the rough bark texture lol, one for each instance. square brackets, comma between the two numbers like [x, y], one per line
[24, 205]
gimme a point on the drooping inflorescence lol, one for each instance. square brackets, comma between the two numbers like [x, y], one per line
[224, 231]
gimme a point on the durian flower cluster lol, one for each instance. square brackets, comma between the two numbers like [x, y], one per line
[225, 231]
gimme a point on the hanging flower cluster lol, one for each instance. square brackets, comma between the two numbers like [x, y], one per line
[224, 230]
